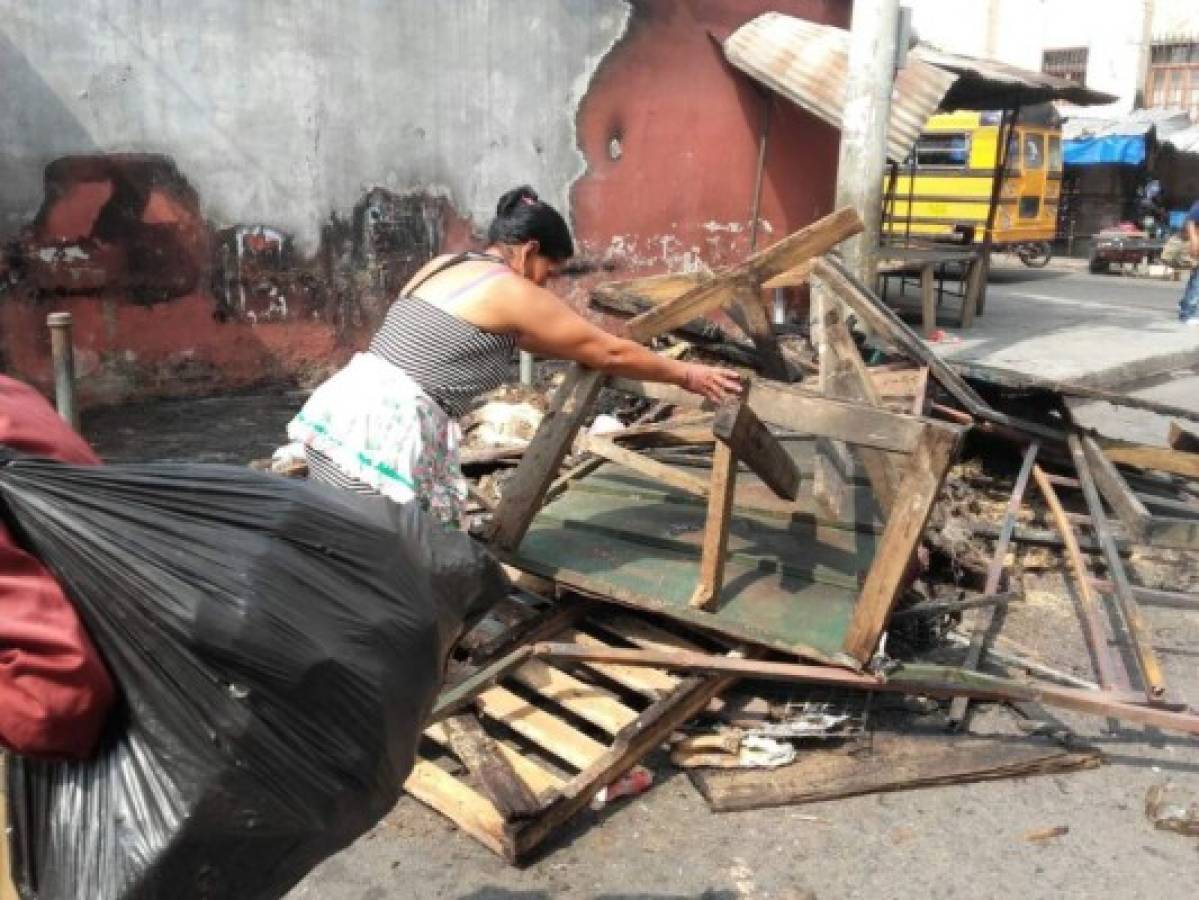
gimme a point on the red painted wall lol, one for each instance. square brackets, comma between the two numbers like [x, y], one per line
[669, 132]
[688, 124]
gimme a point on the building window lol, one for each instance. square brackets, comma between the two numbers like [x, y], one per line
[1069, 63]
[1174, 76]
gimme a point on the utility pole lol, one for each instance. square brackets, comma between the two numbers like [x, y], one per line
[862, 163]
[861, 166]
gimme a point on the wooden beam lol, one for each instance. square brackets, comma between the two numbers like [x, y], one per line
[916, 496]
[716, 527]
[512, 798]
[803, 411]
[588, 702]
[637, 295]
[850, 380]
[1089, 602]
[525, 490]
[1162, 459]
[658, 471]
[677, 431]
[883, 321]
[752, 443]
[761, 266]
[1151, 671]
[896, 761]
[749, 312]
[1115, 490]
[928, 299]
[541, 781]
[984, 623]
[465, 692]
[542, 728]
[467, 808]
[646, 682]
[796, 277]
[906, 678]
[942, 607]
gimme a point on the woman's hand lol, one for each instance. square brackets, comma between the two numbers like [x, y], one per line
[712, 383]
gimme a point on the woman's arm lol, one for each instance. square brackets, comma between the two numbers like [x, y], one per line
[545, 325]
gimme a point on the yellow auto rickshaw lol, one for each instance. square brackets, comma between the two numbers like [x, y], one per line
[943, 190]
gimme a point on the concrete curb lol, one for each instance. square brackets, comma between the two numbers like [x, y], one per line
[1116, 376]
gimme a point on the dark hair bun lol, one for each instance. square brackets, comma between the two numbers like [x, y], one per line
[513, 198]
[521, 216]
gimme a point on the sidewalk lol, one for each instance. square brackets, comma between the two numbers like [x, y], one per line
[1067, 325]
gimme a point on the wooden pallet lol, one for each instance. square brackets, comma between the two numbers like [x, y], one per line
[562, 732]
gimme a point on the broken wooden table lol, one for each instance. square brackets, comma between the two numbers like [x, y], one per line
[519, 747]
[930, 265]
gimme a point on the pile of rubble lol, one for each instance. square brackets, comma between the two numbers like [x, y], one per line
[769, 588]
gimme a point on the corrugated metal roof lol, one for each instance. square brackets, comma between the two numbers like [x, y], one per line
[807, 63]
[990, 84]
[1186, 141]
[1171, 126]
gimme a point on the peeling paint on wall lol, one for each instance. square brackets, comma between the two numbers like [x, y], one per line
[288, 112]
[295, 163]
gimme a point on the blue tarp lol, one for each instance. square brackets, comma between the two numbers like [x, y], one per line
[1123, 149]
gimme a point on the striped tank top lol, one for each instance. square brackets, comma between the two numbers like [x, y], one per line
[452, 360]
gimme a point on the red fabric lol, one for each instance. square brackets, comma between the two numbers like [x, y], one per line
[55, 692]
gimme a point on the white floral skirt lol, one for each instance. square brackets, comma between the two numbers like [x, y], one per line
[379, 428]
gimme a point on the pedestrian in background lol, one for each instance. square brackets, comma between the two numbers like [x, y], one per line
[1188, 307]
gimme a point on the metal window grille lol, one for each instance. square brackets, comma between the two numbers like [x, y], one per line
[1066, 62]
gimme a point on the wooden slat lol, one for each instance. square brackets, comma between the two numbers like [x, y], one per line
[1088, 600]
[715, 546]
[525, 490]
[465, 807]
[670, 433]
[1160, 458]
[629, 748]
[658, 471]
[983, 622]
[1116, 492]
[917, 493]
[1138, 629]
[885, 323]
[762, 266]
[495, 775]
[637, 295]
[850, 380]
[588, 702]
[643, 634]
[752, 443]
[648, 682]
[540, 780]
[749, 312]
[906, 678]
[544, 729]
[928, 299]
[464, 692]
[796, 277]
[802, 411]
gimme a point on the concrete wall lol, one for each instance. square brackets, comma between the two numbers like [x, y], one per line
[225, 192]
[287, 111]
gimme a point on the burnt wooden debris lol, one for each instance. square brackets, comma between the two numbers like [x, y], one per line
[696, 551]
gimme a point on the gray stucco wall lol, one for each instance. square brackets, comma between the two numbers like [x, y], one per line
[284, 111]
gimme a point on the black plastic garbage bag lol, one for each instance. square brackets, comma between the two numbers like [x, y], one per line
[277, 645]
